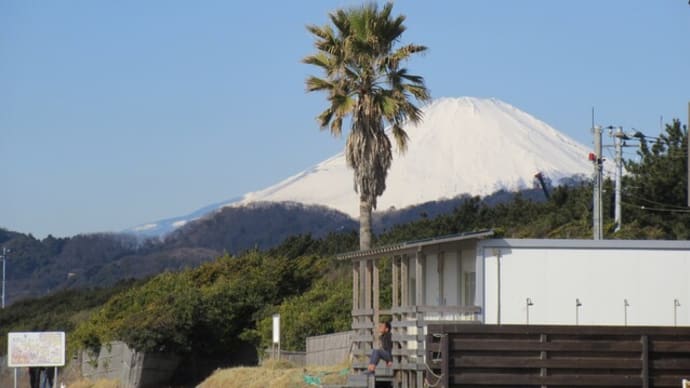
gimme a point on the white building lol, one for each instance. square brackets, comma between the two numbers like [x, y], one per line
[604, 282]
[471, 277]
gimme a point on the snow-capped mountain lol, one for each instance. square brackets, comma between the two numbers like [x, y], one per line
[465, 145]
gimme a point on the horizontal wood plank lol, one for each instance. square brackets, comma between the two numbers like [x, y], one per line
[515, 380]
[522, 345]
[673, 364]
[523, 362]
[670, 346]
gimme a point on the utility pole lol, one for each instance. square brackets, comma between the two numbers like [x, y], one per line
[4, 254]
[687, 138]
[618, 141]
[596, 208]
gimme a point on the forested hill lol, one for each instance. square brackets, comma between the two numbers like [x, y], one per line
[38, 267]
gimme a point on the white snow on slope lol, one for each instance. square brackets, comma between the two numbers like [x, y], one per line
[463, 146]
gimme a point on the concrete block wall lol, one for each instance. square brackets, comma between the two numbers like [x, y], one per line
[116, 361]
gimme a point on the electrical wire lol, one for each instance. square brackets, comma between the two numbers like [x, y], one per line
[655, 209]
[665, 205]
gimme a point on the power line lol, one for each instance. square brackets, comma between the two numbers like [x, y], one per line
[656, 209]
[656, 203]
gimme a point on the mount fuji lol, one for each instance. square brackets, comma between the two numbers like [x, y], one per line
[466, 145]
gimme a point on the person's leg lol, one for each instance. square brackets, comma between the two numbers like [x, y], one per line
[386, 356]
[376, 355]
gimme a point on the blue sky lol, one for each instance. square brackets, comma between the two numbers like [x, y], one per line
[117, 113]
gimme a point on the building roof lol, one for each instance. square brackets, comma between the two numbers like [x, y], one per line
[681, 245]
[413, 245]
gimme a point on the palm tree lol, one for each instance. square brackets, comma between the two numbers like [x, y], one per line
[365, 84]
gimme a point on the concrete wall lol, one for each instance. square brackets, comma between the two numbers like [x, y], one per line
[330, 349]
[602, 275]
[116, 361]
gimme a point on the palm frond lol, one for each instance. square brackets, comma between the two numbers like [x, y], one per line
[324, 118]
[420, 92]
[400, 137]
[323, 32]
[316, 84]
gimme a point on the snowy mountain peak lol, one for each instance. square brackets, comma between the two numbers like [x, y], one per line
[463, 145]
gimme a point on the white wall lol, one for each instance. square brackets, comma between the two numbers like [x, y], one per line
[601, 278]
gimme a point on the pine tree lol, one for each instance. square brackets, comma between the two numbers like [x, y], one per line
[655, 191]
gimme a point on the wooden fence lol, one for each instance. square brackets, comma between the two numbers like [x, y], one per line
[557, 356]
[329, 349]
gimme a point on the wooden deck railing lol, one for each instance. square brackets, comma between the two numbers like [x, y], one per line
[409, 324]
[551, 356]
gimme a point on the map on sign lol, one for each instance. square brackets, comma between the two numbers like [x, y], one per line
[36, 349]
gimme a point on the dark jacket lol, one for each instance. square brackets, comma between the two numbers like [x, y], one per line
[386, 342]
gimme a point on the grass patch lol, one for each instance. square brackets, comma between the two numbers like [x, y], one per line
[95, 384]
[278, 374]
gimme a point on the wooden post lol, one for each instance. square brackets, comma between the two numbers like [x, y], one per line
[420, 379]
[355, 285]
[396, 282]
[460, 292]
[543, 356]
[362, 284]
[367, 284]
[362, 301]
[445, 360]
[645, 361]
[419, 273]
[367, 302]
[404, 282]
[439, 268]
[375, 296]
[419, 296]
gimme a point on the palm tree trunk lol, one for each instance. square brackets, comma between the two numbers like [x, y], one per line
[364, 224]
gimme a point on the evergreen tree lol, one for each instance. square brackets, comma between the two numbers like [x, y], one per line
[655, 191]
